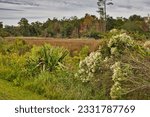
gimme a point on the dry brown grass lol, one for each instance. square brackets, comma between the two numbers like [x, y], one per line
[70, 44]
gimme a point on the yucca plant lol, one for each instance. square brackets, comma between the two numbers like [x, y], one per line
[52, 57]
[47, 58]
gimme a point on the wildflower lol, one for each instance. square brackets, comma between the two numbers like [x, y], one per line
[116, 91]
[89, 66]
[114, 50]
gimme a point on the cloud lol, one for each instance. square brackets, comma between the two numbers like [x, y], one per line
[9, 2]
[126, 6]
[18, 2]
[129, 7]
[5, 9]
[43, 9]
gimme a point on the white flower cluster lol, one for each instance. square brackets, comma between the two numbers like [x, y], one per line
[120, 73]
[122, 38]
[119, 42]
[114, 31]
[117, 32]
[116, 91]
[114, 51]
[89, 66]
[147, 45]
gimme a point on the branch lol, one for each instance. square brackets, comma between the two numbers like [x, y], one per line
[140, 87]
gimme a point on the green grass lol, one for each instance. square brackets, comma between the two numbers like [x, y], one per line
[10, 92]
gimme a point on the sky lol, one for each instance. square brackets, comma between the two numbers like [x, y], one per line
[11, 11]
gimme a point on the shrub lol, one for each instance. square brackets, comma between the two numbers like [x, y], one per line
[46, 58]
[120, 59]
[120, 73]
[95, 35]
[119, 43]
[18, 46]
[12, 68]
[84, 52]
[89, 66]
[72, 61]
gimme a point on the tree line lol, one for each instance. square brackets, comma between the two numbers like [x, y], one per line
[74, 27]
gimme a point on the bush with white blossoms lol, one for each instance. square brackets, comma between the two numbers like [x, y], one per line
[116, 31]
[89, 66]
[113, 67]
[116, 91]
[121, 71]
[119, 43]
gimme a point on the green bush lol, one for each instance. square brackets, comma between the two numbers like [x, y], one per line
[18, 46]
[137, 35]
[84, 52]
[46, 58]
[95, 35]
[12, 68]
[72, 61]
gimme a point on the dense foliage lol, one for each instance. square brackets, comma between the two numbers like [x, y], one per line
[122, 60]
[119, 69]
[89, 26]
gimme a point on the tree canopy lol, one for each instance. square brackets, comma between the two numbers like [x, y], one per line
[74, 27]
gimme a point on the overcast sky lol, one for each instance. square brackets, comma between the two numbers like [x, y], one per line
[11, 11]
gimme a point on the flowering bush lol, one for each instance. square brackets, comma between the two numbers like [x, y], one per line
[116, 91]
[89, 66]
[121, 71]
[117, 32]
[119, 43]
[120, 60]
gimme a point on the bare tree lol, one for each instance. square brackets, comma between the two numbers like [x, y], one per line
[102, 11]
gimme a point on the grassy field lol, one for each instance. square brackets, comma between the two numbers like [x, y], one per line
[9, 91]
[70, 44]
